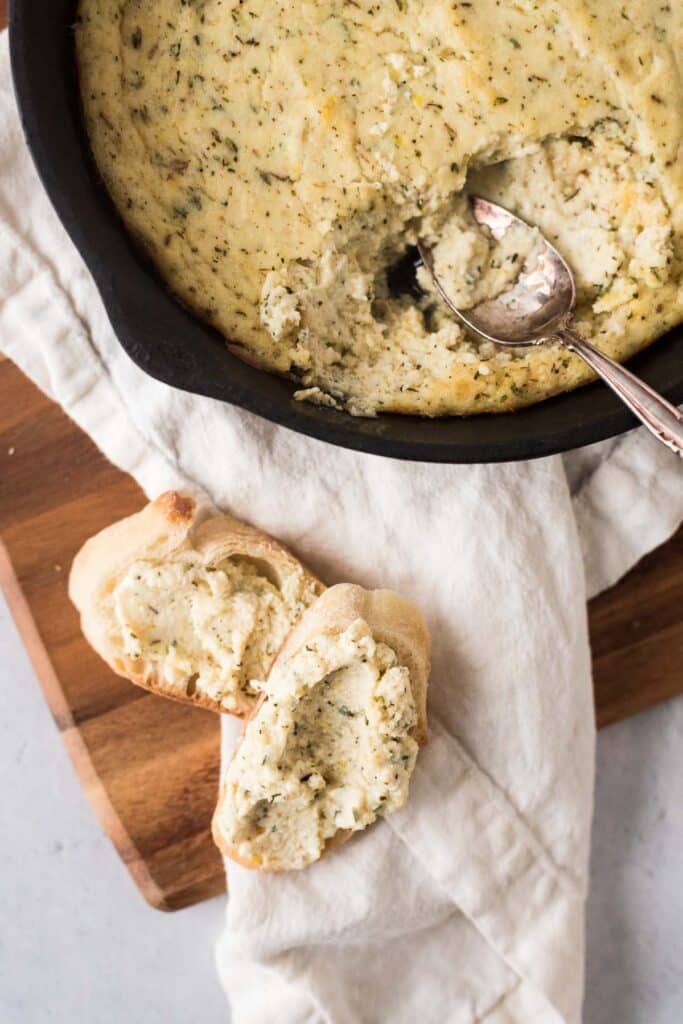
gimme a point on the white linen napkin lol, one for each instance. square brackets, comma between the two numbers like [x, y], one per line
[468, 904]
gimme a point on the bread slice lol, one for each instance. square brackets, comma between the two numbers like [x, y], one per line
[189, 603]
[333, 742]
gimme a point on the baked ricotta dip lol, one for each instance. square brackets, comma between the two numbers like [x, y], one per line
[218, 625]
[277, 157]
[329, 750]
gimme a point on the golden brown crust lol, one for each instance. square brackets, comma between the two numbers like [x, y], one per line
[394, 621]
[166, 526]
[178, 508]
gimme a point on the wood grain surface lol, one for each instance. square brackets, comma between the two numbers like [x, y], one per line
[150, 766]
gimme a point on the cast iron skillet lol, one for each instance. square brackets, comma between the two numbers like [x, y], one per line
[170, 344]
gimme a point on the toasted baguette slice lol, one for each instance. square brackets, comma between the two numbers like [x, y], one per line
[333, 742]
[189, 603]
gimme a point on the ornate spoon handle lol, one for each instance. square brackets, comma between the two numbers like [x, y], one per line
[660, 417]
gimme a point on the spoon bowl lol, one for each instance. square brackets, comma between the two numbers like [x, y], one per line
[539, 301]
[537, 308]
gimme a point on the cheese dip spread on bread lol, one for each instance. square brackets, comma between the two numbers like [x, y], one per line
[276, 158]
[330, 750]
[221, 625]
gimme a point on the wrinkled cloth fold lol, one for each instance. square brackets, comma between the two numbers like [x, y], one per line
[468, 904]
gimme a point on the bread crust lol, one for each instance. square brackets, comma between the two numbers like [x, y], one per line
[394, 621]
[173, 523]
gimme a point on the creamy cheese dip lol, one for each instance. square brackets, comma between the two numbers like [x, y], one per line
[275, 158]
[219, 626]
[471, 265]
[329, 751]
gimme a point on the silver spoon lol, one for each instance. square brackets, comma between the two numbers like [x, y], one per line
[538, 308]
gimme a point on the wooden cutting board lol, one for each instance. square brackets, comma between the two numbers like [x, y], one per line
[150, 766]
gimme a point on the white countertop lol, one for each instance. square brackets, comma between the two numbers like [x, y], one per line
[78, 943]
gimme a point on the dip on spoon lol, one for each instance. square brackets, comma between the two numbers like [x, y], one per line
[529, 300]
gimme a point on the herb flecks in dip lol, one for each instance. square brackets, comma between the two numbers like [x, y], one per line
[277, 158]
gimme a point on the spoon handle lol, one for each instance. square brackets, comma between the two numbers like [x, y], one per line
[660, 417]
